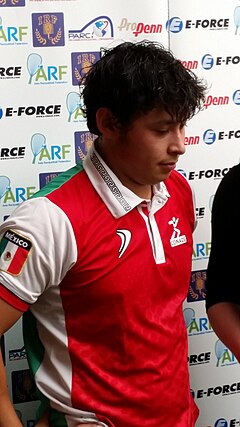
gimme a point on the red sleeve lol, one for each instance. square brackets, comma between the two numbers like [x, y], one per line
[12, 300]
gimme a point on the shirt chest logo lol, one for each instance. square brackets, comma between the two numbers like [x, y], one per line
[176, 238]
[125, 236]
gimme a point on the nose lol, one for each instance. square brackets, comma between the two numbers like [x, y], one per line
[177, 144]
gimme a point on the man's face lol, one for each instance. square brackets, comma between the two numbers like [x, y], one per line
[148, 151]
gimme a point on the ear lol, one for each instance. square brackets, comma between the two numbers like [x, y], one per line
[106, 122]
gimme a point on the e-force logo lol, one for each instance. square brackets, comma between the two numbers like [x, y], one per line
[209, 173]
[199, 359]
[219, 390]
[175, 24]
[38, 111]
[12, 153]
[10, 72]
[208, 61]
[210, 136]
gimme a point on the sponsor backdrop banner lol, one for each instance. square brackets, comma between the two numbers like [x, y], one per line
[45, 48]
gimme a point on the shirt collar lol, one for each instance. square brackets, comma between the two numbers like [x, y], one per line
[118, 198]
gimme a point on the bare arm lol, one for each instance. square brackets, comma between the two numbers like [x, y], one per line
[8, 417]
[225, 320]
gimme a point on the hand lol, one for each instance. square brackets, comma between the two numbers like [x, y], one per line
[43, 422]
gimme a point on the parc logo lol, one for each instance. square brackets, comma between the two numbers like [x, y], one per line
[96, 29]
[46, 155]
[11, 35]
[44, 74]
[48, 29]
[81, 64]
[83, 141]
[12, 3]
[137, 28]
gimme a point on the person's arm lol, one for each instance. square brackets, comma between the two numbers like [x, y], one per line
[223, 291]
[225, 320]
[8, 417]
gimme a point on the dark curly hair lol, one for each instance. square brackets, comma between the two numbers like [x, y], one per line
[132, 79]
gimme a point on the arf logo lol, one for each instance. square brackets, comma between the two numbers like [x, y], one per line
[74, 106]
[50, 73]
[4, 185]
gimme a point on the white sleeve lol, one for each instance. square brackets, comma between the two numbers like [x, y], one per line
[39, 239]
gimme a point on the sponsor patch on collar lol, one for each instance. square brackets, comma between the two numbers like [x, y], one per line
[14, 251]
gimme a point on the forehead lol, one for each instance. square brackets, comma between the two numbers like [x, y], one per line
[155, 116]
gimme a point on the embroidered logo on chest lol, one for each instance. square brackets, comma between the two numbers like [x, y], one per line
[125, 236]
[176, 238]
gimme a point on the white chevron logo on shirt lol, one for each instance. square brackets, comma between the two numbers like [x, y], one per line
[125, 236]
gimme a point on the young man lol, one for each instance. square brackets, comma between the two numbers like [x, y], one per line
[100, 259]
[223, 293]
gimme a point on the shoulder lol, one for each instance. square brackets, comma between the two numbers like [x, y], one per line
[177, 183]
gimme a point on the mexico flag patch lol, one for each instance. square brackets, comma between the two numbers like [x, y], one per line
[14, 250]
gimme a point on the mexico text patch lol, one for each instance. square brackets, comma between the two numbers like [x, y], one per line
[14, 250]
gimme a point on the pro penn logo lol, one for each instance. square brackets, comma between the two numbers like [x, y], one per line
[83, 142]
[137, 28]
[48, 29]
[97, 29]
[81, 64]
[176, 238]
[190, 64]
[14, 251]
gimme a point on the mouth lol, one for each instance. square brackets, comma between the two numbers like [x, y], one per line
[169, 166]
